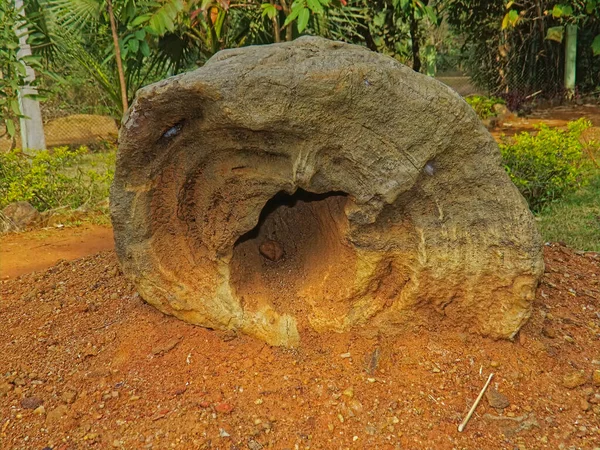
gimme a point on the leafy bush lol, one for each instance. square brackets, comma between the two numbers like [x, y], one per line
[484, 106]
[55, 178]
[549, 164]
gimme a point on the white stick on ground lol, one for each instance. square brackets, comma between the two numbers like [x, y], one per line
[462, 426]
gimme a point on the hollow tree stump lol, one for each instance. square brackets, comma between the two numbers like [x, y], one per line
[317, 184]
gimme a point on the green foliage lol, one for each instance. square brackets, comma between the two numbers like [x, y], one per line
[575, 219]
[69, 92]
[484, 106]
[579, 13]
[301, 11]
[516, 47]
[547, 165]
[12, 68]
[55, 178]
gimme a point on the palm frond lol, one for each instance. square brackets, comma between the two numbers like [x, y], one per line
[75, 15]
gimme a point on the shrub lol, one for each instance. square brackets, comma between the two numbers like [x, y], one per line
[484, 106]
[547, 165]
[55, 178]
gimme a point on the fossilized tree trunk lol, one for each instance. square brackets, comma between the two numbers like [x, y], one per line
[317, 184]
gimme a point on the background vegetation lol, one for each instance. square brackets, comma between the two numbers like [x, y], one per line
[58, 178]
[104, 50]
[91, 56]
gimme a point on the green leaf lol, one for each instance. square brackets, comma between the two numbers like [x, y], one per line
[296, 8]
[596, 46]
[557, 11]
[133, 45]
[140, 20]
[379, 19]
[14, 105]
[36, 97]
[431, 15]
[10, 127]
[315, 6]
[590, 5]
[269, 10]
[140, 34]
[145, 49]
[555, 34]
[303, 19]
[20, 68]
[562, 11]
[31, 60]
[510, 19]
[219, 23]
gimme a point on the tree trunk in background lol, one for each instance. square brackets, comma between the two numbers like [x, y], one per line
[414, 36]
[289, 31]
[276, 33]
[115, 36]
[32, 128]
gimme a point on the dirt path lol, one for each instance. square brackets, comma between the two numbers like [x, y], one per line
[553, 117]
[31, 251]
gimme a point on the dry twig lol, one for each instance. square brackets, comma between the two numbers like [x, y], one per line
[462, 426]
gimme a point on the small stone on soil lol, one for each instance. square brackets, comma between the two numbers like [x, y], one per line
[68, 396]
[224, 408]
[496, 399]
[165, 347]
[253, 445]
[574, 379]
[31, 402]
[5, 388]
[584, 405]
[57, 414]
[272, 250]
[549, 332]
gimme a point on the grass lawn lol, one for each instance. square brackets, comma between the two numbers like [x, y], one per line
[575, 219]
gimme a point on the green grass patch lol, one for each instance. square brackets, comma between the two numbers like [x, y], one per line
[575, 219]
[550, 163]
[56, 179]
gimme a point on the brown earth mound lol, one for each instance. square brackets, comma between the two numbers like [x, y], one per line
[85, 363]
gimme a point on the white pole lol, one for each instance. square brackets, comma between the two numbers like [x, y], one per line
[32, 129]
[571, 59]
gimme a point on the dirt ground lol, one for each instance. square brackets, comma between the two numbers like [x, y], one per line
[87, 364]
[36, 250]
[553, 117]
